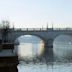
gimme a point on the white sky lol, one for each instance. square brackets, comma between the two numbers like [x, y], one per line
[36, 13]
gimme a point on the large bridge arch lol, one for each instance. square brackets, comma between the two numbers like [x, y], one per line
[13, 35]
[30, 43]
[31, 35]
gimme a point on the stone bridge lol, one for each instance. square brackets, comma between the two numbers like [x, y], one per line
[48, 35]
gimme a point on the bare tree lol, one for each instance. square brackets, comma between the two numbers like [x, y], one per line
[5, 30]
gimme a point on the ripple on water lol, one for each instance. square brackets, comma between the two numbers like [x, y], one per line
[44, 68]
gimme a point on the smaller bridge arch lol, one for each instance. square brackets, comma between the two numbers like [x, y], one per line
[62, 47]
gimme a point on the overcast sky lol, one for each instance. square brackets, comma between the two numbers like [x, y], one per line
[37, 13]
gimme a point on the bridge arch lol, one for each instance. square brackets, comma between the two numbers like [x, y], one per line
[62, 47]
[32, 46]
[38, 34]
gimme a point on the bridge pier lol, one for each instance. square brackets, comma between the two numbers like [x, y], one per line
[48, 53]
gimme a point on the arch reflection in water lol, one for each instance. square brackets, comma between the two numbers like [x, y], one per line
[30, 46]
[62, 47]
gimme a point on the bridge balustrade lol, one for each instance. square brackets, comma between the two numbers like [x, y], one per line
[62, 28]
[30, 29]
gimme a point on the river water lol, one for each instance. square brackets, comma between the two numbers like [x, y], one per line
[67, 67]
